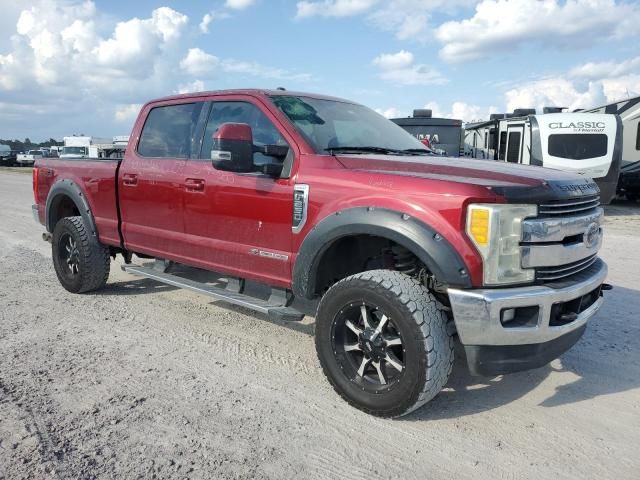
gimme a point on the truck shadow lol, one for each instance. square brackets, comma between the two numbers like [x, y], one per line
[605, 361]
[135, 287]
[622, 208]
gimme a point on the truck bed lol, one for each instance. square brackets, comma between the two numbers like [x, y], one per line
[96, 178]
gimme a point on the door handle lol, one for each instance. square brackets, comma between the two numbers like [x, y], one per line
[194, 185]
[130, 179]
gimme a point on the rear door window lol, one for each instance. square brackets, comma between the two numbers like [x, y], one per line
[577, 146]
[169, 131]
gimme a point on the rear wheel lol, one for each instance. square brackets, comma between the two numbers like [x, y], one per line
[81, 262]
[382, 341]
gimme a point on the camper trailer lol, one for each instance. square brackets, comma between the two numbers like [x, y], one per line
[586, 144]
[92, 147]
[629, 112]
[442, 135]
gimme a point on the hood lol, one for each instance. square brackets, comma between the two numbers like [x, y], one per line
[513, 181]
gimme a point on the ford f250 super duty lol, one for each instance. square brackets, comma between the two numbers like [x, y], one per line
[306, 204]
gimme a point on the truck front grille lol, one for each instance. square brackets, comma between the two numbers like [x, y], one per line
[563, 239]
[562, 271]
[570, 207]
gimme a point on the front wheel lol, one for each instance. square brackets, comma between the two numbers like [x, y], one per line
[81, 262]
[382, 341]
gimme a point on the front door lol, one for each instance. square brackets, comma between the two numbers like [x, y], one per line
[239, 223]
[150, 181]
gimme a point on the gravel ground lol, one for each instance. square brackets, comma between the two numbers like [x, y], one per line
[142, 380]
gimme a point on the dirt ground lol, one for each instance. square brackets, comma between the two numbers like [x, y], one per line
[142, 380]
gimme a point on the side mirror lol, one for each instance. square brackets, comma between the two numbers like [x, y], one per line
[232, 148]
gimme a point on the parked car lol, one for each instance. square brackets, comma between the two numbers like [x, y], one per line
[28, 159]
[8, 157]
[342, 215]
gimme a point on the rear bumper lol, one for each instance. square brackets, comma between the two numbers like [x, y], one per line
[36, 214]
[547, 320]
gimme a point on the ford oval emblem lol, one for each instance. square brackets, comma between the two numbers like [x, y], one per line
[591, 235]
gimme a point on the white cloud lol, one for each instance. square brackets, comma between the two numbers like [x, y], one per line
[198, 62]
[506, 24]
[400, 69]
[583, 86]
[259, 70]
[127, 113]
[556, 92]
[90, 72]
[79, 36]
[408, 19]
[333, 8]
[8, 79]
[619, 88]
[135, 43]
[394, 61]
[239, 4]
[391, 112]
[168, 23]
[462, 111]
[459, 110]
[598, 70]
[195, 86]
[204, 23]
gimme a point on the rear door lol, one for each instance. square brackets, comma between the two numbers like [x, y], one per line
[515, 137]
[240, 223]
[150, 180]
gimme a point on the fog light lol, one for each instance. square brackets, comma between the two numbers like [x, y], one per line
[508, 315]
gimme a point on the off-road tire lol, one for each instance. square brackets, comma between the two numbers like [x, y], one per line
[419, 319]
[93, 261]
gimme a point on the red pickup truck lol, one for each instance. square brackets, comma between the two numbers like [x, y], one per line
[306, 204]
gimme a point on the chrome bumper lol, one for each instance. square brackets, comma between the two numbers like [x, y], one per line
[477, 312]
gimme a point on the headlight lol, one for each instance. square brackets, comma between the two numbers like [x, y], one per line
[496, 230]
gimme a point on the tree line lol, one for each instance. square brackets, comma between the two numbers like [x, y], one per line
[27, 144]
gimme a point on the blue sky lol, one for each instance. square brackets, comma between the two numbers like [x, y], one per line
[70, 66]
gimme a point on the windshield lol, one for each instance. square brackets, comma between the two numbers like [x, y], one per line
[35, 152]
[74, 150]
[330, 125]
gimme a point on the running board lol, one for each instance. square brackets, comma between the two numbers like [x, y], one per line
[279, 312]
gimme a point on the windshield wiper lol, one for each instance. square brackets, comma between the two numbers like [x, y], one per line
[382, 150]
[364, 149]
[418, 151]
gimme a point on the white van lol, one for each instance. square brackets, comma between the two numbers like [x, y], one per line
[581, 143]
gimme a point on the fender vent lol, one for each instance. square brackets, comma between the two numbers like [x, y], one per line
[300, 205]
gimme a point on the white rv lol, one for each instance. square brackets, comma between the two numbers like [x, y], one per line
[629, 112]
[586, 144]
[91, 147]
